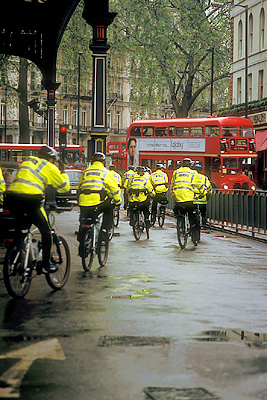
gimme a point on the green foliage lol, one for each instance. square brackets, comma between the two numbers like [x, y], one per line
[168, 45]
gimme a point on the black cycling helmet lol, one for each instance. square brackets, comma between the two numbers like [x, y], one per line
[187, 162]
[131, 167]
[48, 152]
[98, 157]
[140, 168]
[111, 167]
[198, 167]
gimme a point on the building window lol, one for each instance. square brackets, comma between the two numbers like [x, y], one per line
[239, 91]
[74, 116]
[119, 90]
[249, 87]
[84, 118]
[65, 88]
[240, 38]
[32, 80]
[65, 115]
[118, 120]
[3, 113]
[250, 27]
[261, 84]
[109, 119]
[262, 23]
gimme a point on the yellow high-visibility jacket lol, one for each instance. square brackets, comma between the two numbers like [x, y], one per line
[208, 186]
[2, 187]
[159, 180]
[126, 177]
[139, 187]
[117, 177]
[35, 174]
[185, 183]
[96, 184]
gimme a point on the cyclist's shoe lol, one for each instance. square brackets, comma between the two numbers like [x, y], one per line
[80, 250]
[50, 269]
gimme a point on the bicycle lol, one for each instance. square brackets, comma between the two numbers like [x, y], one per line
[116, 216]
[23, 258]
[184, 231]
[93, 242]
[161, 213]
[138, 223]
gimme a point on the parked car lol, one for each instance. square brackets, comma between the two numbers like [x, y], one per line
[71, 195]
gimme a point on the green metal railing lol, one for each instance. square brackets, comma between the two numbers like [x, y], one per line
[240, 210]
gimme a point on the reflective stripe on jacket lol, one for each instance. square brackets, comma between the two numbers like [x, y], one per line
[159, 180]
[96, 181]
[138, 188]
[35, 174]
[185, 183]
[208, 186]
[2, 186]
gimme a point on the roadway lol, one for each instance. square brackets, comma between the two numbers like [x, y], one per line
[159, 320]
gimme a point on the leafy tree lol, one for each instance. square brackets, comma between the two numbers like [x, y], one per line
[168, 45]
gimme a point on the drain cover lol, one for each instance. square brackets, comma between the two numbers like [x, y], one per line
[105, 341]
[169, 393]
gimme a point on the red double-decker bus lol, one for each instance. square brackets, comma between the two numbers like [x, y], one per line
[20, 152]
[225, 146]
[117, 150]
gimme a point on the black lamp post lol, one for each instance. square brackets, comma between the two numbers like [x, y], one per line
[79, 88]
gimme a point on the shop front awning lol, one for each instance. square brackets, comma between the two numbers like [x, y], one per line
[261, 141]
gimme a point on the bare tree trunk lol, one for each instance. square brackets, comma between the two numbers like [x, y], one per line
[24, 131]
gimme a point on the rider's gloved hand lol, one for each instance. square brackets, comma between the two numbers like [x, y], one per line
[61, 166]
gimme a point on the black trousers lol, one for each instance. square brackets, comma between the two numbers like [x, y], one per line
[92, 212]
[28, 210]
[159, 197]
[142, 206]
[190, 208]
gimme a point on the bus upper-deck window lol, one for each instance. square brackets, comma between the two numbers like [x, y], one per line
[246, 131]
[229, 131]
[182, 131]
[212, 130]
[196, 131]
[171, 165]
[161, 132]
[171, 131]
[149, 131]
[113, 146]
[136, 131]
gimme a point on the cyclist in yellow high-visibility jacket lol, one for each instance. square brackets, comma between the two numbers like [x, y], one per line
[184, 184]
[202, 201]
[25, 195]
[125, 179]
[97, 187]
[2, 187]
[116, 175]
[139, 189]
[159, 180]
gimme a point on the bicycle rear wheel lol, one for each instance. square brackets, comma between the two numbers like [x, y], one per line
[181, 232]
[116, 217]
[102, 251]
[60, 256]
[161, 216]
[87, 251]
[137, 230]
[17, 281]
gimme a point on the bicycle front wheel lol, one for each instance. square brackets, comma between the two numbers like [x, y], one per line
[61, 257]
[87, 251]
[102, 251]
[181, 232]
[17, 280]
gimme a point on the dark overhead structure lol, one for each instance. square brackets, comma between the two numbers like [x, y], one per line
[33, 29]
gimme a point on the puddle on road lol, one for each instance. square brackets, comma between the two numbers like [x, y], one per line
[229, 335]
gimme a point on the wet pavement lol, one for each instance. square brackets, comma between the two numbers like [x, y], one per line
[163, 323]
